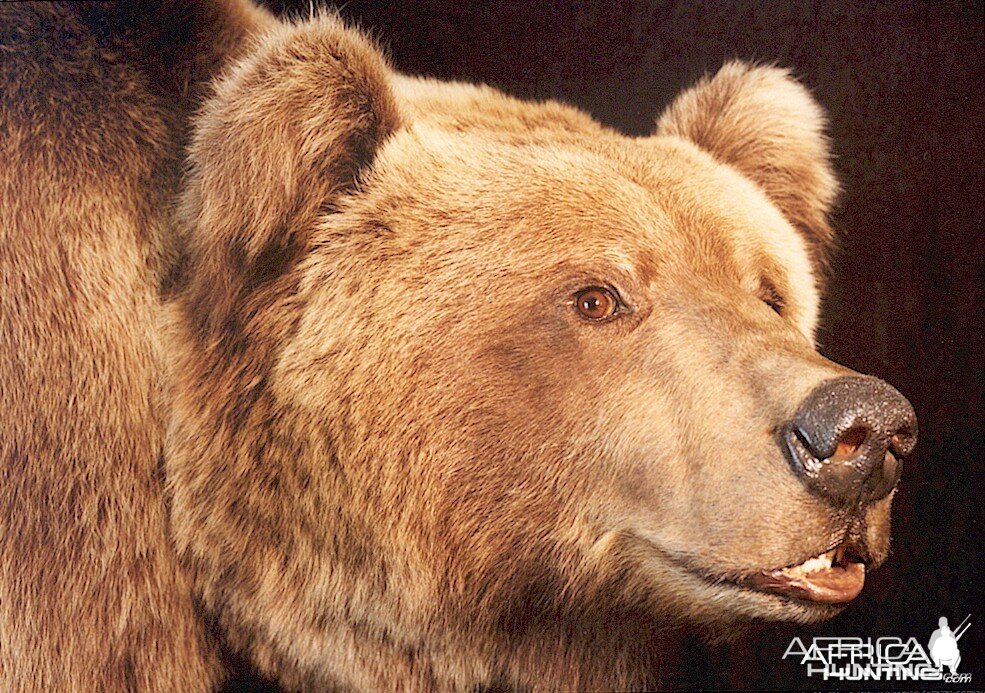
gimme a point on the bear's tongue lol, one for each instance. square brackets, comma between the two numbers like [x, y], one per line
[825, 579]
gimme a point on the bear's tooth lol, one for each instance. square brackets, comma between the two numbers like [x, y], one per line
[811, 565]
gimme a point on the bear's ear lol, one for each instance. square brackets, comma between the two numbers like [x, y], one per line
[287, 130]
[767, 125]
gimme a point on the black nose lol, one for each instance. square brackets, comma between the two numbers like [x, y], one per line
[847, 437]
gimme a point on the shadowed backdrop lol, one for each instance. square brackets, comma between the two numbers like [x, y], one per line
[902, 83]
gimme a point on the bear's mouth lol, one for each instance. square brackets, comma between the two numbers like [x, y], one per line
[824, 582]
[833, 577]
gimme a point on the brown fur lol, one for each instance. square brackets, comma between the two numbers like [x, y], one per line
[91, 595]
[396, 457]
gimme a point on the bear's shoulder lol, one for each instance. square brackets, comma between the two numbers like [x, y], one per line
[105, 85]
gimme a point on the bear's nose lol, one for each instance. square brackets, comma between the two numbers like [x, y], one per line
[848, 435]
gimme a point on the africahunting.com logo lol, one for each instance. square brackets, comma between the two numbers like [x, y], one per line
[885, 659]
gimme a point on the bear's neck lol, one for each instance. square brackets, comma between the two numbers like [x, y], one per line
[609, 655]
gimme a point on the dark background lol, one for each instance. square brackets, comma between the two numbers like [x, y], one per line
[902, 83]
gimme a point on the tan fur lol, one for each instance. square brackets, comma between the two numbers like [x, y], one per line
[396, 457]
[767, 126]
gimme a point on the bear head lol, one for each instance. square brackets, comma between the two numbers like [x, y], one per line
[468, 389]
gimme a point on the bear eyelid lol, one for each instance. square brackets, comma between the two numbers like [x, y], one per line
[770, 295]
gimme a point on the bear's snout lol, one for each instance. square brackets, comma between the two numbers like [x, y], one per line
[847, 437]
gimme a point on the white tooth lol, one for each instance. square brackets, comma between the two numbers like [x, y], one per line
[822, 562]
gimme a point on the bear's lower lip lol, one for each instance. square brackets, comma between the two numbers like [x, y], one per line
[830, 578]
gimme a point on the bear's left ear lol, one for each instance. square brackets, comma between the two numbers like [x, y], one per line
[767, 125]
[286, 133]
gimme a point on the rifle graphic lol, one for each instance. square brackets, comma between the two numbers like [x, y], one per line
[962, 628]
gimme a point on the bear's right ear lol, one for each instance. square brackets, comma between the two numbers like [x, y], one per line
[288, 129]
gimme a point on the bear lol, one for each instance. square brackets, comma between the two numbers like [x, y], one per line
[384, 382]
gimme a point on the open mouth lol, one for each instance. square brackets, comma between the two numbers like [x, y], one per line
[833, 577]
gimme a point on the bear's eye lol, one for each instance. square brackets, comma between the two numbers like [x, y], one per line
[596, 303]
[769, 295]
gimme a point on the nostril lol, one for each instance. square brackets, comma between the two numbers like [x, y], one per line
[848, 437]
[896, 442]
[902, 442]
[849, 443]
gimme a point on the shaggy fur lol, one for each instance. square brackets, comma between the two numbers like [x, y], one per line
[91, 133]
[396, 457]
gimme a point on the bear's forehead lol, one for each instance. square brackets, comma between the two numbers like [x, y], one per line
[610, 195]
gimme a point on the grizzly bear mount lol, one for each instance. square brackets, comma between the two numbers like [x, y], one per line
[383, 382]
